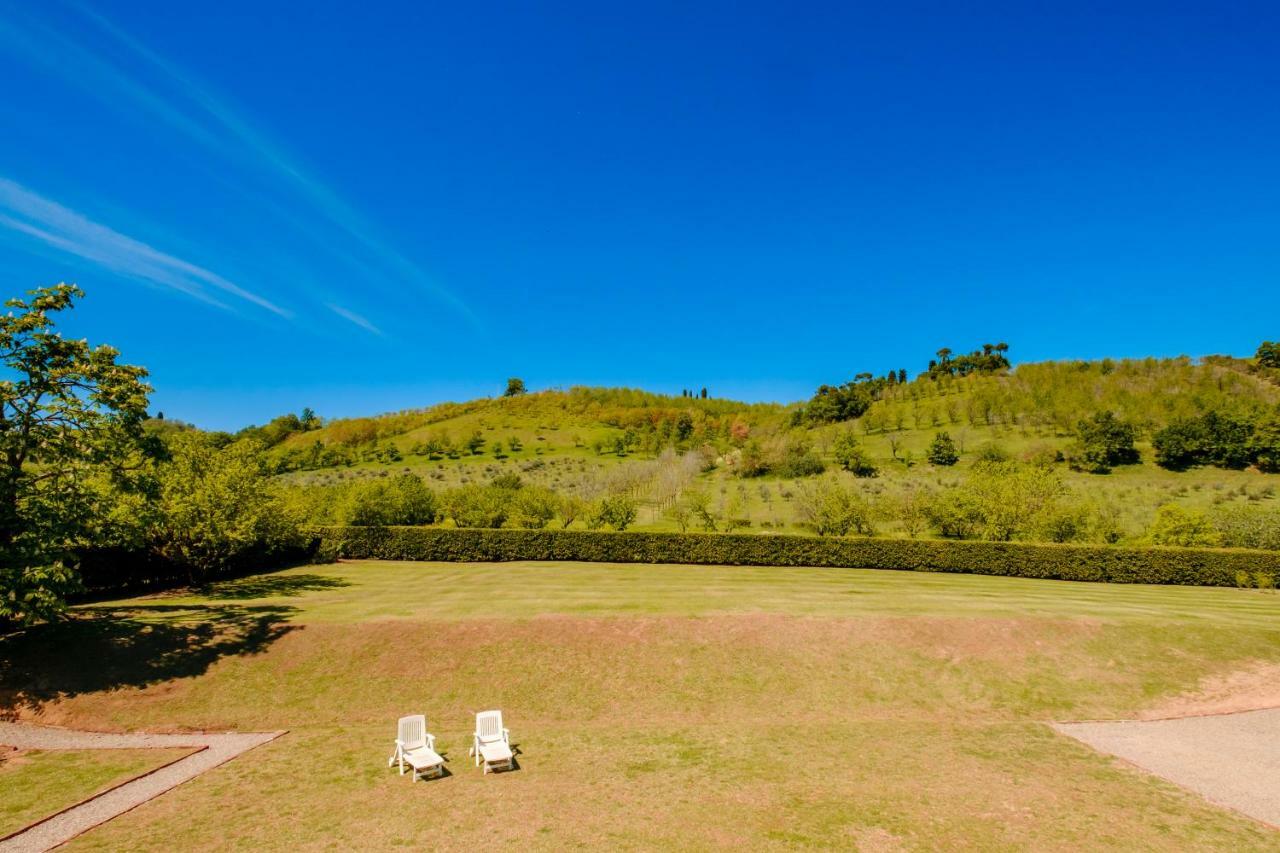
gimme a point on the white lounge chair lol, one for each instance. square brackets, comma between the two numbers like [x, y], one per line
[491, 744]
[416, 747]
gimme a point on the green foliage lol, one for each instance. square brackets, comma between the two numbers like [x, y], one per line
[1102, 442]
[991, 452]
[214, 505]
[617, 511]
[1214, 438]
[1248, 526]
[1203, 567]
[515, 387]
[475, 444]
[942, 451]
[533, 507]
[1176, 525]
[1268, 354]
[829, 509]
[851, 457]
[990, 359]
[404, 499]
[799, 460]
[1001, 501]
[69, 413]
[845, 402]
[473, 505]
[1264, 444]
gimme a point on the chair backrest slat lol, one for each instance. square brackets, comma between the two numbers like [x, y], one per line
[413, 731]
[489, 724]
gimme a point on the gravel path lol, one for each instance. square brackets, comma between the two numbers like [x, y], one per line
[214, 749]
[1231, 759]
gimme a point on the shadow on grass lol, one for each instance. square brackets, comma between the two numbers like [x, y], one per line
[105, 649]
[268, 586]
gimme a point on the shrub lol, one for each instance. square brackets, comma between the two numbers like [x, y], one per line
[1176, 525]
[1103, 442]
[831, 510]
[851, 457]
[799, 460]
[1248, 526]
[617, 511]
[1061, 562]
[533, 507]
[474, 505]
[943, 450]
[404, 499]
[991, 452]
[1264, 444]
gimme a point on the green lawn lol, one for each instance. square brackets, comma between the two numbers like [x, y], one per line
[37, 784]
[694, 707]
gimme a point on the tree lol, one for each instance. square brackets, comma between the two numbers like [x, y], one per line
[1102, 442]
[215, 505]
[851, 457]
[1264, 444]
[515, 387]
[476, 443]
[1268, 354]
[1175, 525]
[1180, 444]
[943, 450]
[834, 511]
[704, 393]
[617, 511]
[67, 411]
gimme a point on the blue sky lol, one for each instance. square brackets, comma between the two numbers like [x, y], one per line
[373, 207]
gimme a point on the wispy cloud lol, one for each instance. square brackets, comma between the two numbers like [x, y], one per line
[193, 109]
[353, 317]
[31, 214]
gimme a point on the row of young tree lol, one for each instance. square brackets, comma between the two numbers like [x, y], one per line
[505, 501]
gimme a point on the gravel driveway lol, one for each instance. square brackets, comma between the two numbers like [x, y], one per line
[1231, 759]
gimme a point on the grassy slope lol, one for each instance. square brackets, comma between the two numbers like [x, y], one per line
[37, 784]
[659, 705]
[1039, 402]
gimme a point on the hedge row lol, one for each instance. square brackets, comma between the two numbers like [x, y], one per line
[112, 572]
[1189, 566]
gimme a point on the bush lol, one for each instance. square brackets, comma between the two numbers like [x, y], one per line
[991, 452]
[403, 500]
[1176, 525]
[851, 457]
[477, 506]
[943, 450]
[831, 510]
[799, 460]
[1103, 442]
[1248, 527]
[617, 511]
[1205, 567]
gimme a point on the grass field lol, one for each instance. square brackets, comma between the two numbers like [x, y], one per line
[693, 707]
[37, 784]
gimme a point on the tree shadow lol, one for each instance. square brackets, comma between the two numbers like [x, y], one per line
[106, 649]
[268, 586]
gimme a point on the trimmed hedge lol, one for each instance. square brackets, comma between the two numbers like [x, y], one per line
[112, 572]
[1189, 566]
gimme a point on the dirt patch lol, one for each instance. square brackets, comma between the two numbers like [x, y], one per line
[1251, 688]
[11, 756]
